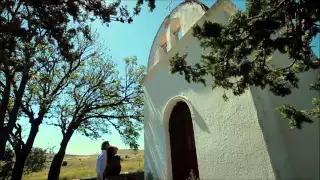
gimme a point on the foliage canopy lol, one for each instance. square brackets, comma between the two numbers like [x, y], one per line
[266, 26]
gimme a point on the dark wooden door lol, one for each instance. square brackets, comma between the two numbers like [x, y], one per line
[183, 149]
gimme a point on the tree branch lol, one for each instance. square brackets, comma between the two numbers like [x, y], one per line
[268, 14]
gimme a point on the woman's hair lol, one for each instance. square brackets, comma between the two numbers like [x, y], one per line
[104, 144]
[110, 152]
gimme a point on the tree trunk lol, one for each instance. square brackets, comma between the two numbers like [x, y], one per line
[3, 108]
[4, 134]
[55, 167]
[21, 156]
[5, 100]
[19, 166]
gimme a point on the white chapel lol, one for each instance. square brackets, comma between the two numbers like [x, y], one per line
[190, 127]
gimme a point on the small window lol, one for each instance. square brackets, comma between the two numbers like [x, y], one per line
[178, 34]
[164, 47]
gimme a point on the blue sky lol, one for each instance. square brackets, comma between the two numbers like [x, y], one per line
[123, 40]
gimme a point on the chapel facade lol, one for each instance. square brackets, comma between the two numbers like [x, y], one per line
[190, 127]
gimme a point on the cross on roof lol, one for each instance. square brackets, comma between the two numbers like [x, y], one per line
[169, 6]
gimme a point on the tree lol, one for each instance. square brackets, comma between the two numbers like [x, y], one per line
[36, 162]
[97, 99]
[26, 25]
[287, 26]
[50, 76]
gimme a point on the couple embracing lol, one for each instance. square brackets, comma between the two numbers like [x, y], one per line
[108, 162]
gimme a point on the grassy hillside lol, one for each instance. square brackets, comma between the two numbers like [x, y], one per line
[84, 166]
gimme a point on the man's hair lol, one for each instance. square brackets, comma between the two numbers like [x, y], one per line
[104, 144]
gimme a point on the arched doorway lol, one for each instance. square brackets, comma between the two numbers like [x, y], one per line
[182, 143]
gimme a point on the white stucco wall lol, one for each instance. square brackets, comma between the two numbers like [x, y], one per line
[244, 138]
[294, 153]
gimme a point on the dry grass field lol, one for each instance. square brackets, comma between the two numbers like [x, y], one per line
[84, 166]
